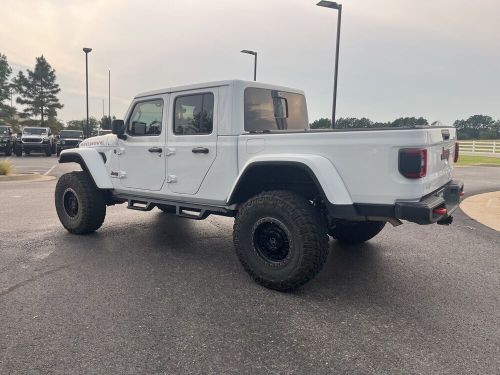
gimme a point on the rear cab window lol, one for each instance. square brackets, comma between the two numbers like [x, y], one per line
[272, 110]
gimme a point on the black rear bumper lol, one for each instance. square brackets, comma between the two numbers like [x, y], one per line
[424, 212]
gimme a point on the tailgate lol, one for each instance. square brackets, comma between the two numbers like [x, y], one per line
[441, 143]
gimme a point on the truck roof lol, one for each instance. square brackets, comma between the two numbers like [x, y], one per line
[235, 82]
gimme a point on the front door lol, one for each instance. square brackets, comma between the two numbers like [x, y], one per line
[192, 139]
[142, 153]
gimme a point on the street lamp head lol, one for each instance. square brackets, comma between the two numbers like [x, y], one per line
[249, 52]
[329, 4]
[87, 50]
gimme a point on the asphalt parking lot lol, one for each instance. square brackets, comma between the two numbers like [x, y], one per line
[151, 293]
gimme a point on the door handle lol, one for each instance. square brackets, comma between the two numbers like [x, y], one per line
[200, 150]
[156, 149]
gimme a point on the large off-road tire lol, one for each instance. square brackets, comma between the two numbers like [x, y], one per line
[281, 239]
[19, 151]
[79, 204]
[356, 232]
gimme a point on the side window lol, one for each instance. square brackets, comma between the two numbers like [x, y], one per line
[146, 118]
[272, 110]
[194, 114]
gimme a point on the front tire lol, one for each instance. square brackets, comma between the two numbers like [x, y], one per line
[79, 204]
[281, 239]
[356, 232]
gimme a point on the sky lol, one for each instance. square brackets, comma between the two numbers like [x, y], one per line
[439, 59]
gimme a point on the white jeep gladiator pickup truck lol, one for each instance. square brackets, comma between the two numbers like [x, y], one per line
[245, 150]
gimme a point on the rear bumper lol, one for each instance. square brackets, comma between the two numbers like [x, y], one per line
[423, 212]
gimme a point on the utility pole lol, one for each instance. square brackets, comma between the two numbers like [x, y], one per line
[87, 51]
[338, 7]
[109, 95]
[254, 54]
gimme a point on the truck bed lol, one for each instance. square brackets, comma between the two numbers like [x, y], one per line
[365, 159]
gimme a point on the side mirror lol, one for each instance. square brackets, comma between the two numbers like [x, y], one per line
[118, 128]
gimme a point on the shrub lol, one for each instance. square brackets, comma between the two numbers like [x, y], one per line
[5, 167]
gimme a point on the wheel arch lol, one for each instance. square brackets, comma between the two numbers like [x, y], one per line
[91, 162]
[311, 171]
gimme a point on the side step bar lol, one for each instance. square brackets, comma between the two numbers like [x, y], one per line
[182, 209]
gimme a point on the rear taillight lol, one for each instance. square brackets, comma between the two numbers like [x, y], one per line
[457, 152]
[413, 162]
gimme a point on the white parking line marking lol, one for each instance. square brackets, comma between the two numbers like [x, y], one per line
[50, 170]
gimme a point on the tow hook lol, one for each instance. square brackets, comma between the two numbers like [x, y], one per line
[446, 221]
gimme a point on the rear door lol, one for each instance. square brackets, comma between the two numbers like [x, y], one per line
[192, 139]
[142, 153]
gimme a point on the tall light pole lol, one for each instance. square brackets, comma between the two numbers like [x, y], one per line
[255, 62]
[109, 95]
[336, 6]
[87, 51]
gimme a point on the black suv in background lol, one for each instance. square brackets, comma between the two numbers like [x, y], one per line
[69, 139]
[8, 140]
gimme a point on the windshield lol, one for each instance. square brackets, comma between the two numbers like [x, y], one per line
[71, 134]
[36, 131]
[4, 130]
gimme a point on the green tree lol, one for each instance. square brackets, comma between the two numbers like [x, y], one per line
[38, 91]
[478, 126]
[5, 71]
[82, 125]
[409, 122]
[353, 123]
[6, 111]
[105, 122]
[322, 123]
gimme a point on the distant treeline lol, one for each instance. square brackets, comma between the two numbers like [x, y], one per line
[475, 127]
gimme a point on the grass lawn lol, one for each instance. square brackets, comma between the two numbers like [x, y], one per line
[478, 160]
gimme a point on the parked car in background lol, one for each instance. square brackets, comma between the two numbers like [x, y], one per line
[34, 139]
[8, 140]
[69, 139]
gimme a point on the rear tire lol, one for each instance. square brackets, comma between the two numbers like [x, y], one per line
[79, 204]
[281, 239]
[356, 232]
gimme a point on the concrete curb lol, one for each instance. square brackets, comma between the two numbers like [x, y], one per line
[26, 177]
[484, 208]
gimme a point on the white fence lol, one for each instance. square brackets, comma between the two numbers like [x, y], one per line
[491, 148]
